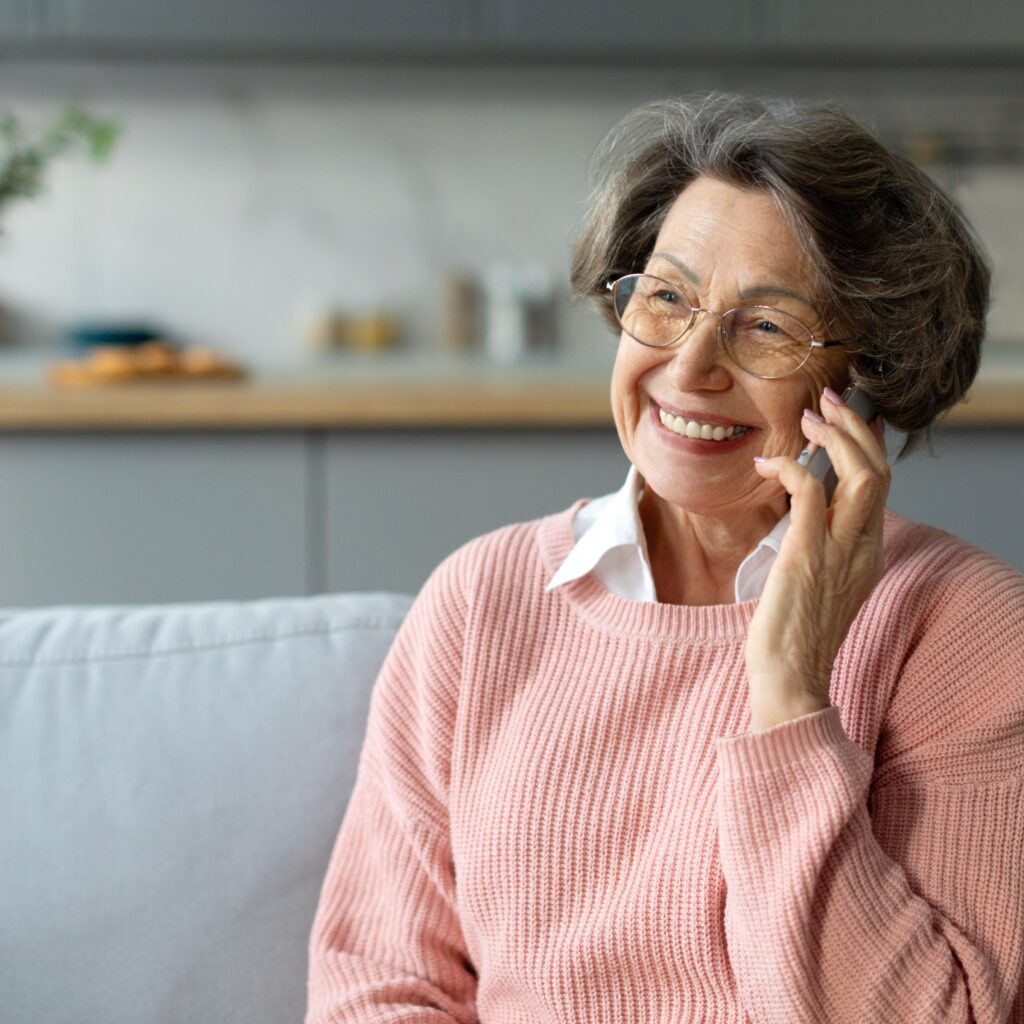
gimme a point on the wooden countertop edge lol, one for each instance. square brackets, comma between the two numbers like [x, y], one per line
[267, 405]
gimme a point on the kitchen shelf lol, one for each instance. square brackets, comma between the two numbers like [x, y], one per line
[438, 394]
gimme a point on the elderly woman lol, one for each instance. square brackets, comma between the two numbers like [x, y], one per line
[713, 748]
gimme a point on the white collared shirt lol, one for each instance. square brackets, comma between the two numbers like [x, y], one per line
[610, 543]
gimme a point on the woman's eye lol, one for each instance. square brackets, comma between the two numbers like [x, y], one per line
[775, 330]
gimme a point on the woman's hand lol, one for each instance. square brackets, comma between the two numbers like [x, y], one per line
[830, 560]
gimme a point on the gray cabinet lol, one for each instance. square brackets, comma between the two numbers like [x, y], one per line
[972, 486]
[20, 20]
[941, 27]
[399, 502]
[736, 30]
[152, 517]
[270, 26]
[611, 28]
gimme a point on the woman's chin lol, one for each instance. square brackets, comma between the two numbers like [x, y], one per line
[684, 488]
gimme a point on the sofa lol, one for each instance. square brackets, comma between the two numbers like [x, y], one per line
[172, 779]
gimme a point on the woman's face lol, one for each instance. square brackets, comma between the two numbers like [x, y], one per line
[737, 250]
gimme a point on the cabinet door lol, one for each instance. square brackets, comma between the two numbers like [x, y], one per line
[973, 486]
[399, 26]
[943, 27]
[611, 28]
[20, 20]
[115, 518]
[399, 502]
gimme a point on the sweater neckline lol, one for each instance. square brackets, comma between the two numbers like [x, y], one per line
[616, 614]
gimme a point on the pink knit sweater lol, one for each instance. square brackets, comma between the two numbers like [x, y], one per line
[560, 818]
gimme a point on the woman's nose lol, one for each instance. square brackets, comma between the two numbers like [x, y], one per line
[698, 353]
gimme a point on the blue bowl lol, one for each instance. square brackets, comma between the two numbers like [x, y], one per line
[86, 336]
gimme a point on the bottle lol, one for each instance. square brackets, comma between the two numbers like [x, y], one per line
[518, 306]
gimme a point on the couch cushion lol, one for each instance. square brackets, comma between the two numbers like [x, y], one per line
[172, 779]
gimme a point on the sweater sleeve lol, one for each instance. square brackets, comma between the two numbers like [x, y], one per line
[890, 893]
[386, 942]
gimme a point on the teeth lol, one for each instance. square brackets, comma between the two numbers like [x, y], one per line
[704, 431]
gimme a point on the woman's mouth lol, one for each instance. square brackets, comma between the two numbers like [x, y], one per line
[693, 435]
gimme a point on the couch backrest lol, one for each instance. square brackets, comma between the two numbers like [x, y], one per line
[172, 779]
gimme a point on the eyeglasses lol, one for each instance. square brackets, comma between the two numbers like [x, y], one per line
[760, 340]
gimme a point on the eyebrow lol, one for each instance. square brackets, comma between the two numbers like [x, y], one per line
[679, 265]
[759, 290]
[754, 292]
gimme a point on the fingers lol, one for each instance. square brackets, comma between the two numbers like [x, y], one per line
[857, 451]
[807, 507]
[870, 437]
[858, 455]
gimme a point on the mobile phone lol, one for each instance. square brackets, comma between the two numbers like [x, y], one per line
[819, 464]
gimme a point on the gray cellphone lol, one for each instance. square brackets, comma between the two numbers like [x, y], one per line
[819, 464]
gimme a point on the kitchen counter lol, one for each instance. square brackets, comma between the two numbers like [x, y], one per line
[396, 390]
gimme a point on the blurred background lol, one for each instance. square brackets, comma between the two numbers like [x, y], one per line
[289, 313]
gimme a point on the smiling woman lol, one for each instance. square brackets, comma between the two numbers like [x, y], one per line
[709, 748]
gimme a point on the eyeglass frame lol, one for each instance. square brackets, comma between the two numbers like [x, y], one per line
[694, 310]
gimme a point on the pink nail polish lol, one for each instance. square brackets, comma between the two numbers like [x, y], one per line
[833, 397]
[812, 415]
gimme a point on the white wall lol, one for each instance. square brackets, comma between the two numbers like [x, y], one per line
[238, 195]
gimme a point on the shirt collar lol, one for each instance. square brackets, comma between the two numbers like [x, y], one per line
[753, 570]
[609, 537]
[601, 526]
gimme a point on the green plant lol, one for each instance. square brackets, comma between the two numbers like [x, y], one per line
[25, 159]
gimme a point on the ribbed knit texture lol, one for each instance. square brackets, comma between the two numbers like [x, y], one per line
[560, 817]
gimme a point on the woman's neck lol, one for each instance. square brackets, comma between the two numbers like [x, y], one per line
[694, 556]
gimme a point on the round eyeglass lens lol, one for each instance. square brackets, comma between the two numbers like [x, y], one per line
[651, 310]
[766, 341]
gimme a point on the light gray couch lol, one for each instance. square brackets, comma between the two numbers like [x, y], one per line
[172, 779]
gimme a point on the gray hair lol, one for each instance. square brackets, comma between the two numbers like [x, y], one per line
[894, 261]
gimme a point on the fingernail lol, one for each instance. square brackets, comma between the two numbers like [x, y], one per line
[833, 397]
[812, 415]
[760, 458]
